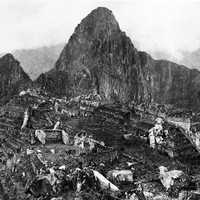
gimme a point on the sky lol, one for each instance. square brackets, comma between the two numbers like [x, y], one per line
[169, 26]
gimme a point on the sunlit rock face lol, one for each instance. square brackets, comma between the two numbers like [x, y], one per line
[100, 56]
[12, 77]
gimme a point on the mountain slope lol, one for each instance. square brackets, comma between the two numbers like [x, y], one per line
[12, 77]
[39, 60]
[171, 83]
[99, 56]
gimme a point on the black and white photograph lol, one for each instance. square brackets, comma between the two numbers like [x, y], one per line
[99, 99]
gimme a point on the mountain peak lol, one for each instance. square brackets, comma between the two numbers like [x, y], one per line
[12, 77]
[100, 19]
[8, 61]
[102, 11]
[99, 56]
[8, 57]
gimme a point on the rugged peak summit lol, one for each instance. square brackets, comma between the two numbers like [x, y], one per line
[12, 77]
[101, 14]
[9, 64]
[102, 11]
[99, 21]
[97, 56]
[8, 59]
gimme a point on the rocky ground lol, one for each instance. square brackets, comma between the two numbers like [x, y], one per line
[55, 170]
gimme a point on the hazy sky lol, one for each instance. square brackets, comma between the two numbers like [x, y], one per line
[171, 26]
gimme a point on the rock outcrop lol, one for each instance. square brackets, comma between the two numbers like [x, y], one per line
[12, 77]
[99, 56]
[170, 83]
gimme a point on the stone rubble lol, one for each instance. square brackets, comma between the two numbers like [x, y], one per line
[54, 149]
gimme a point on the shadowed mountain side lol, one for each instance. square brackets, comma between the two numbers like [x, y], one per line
[12, 78]
[100, 56]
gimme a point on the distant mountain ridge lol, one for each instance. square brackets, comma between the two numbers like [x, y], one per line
[191, 59]
[38, 60]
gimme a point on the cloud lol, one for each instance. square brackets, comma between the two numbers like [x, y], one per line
[157, 25]
[19, 10]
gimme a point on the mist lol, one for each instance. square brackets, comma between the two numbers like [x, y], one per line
[160, 27]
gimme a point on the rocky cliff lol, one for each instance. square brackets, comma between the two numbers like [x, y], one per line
[170, 83]
[12, 77]
[99, 56]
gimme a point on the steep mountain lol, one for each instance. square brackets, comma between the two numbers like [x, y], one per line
[99, 56]
[12, 77]
[171, 83]
[38, 60]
